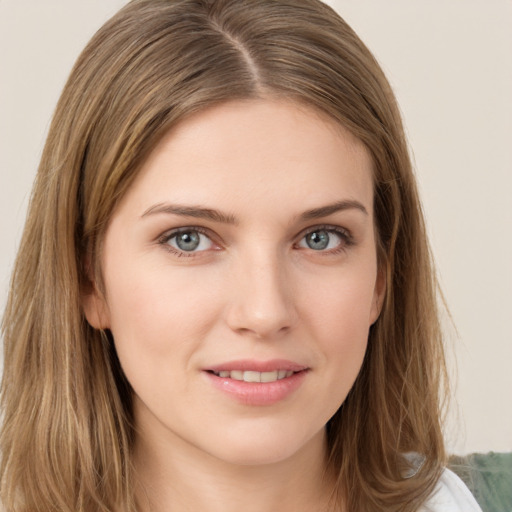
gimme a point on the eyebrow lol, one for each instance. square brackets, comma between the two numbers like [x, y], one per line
[324, 211]
[200, 212]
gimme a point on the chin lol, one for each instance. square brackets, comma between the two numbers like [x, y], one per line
[258, 447]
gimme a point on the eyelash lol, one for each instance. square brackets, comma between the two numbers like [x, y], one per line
[347, 240]
[166, 237]
[346, 237]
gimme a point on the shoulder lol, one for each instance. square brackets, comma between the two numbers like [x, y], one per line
[450, 495]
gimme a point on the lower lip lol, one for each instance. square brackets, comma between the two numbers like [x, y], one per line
[258, 393]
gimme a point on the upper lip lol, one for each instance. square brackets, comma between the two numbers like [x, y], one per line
[257, 366]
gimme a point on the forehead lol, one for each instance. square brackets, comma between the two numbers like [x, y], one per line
[256, 152]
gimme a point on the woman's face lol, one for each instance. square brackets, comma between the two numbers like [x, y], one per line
[241, 280]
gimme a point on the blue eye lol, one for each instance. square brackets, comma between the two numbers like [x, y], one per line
[323, 240]
[188, 240]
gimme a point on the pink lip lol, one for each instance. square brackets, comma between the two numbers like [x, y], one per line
[257, 393]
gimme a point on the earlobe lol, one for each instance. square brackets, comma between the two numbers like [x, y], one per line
[93, 302]
[95, 309]
[379, 294]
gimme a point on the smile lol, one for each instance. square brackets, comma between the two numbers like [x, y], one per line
[257, 383]
[252, 376]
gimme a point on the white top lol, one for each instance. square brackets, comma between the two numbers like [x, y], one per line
[450, 495]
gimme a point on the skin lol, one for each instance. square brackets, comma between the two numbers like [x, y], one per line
[253, 289]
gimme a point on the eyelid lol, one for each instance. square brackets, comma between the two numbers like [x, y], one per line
[344, 233]
[164, 238]
[182, 229]
[326, 227]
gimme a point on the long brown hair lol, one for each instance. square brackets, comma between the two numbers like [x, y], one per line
[67, 419]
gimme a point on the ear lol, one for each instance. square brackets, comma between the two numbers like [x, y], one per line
[379, 293]
[93, 301]
[95, 308]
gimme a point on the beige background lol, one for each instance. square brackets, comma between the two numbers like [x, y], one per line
[450, 63]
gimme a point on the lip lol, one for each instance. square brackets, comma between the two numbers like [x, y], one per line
[257, 393]
[257, 366]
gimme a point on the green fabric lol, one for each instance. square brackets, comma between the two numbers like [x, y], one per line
[489, 478]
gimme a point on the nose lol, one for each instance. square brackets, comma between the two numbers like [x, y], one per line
[262, 302]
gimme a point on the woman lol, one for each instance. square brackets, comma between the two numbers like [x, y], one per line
[224, 296]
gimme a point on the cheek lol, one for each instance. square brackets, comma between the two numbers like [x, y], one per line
[340, 318]
[343, 305]
[155, 312]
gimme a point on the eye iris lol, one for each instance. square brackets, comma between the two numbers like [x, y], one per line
[318, 240]
[188, 241]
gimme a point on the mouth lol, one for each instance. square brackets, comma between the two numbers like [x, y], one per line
[257, 383]
[254, 376]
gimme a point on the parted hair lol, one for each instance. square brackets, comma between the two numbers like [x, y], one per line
[67, 433]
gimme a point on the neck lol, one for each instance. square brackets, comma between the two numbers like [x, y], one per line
[180, 477]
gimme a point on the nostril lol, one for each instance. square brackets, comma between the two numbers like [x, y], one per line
[262, 304]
